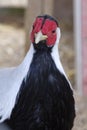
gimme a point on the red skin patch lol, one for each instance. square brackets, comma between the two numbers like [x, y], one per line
[48, 28]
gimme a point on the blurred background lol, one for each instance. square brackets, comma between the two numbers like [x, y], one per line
[16, 19]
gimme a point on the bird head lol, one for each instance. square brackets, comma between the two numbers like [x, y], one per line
[45, 30]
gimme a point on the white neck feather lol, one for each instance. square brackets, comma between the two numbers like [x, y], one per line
[55, 56]
[55, 53]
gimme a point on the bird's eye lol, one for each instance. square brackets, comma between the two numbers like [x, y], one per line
[33, 27]
[53, 31]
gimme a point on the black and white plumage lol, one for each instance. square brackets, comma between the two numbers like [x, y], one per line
[37, 95]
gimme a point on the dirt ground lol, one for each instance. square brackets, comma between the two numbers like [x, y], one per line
[12, 44]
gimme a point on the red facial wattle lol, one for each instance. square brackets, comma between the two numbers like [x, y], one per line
[47, 28]
[36, 28]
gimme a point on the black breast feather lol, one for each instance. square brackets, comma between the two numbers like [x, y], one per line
[45, 100]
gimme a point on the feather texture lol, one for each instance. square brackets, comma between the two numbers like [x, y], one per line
[10, 82]
[45, 99]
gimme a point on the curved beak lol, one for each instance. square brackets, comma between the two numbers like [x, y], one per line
[39, 37]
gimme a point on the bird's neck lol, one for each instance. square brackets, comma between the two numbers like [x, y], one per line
[25, 65]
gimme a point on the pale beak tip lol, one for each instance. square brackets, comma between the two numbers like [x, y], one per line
[39, 37]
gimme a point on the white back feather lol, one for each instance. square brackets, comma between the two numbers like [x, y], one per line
[10, 82]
